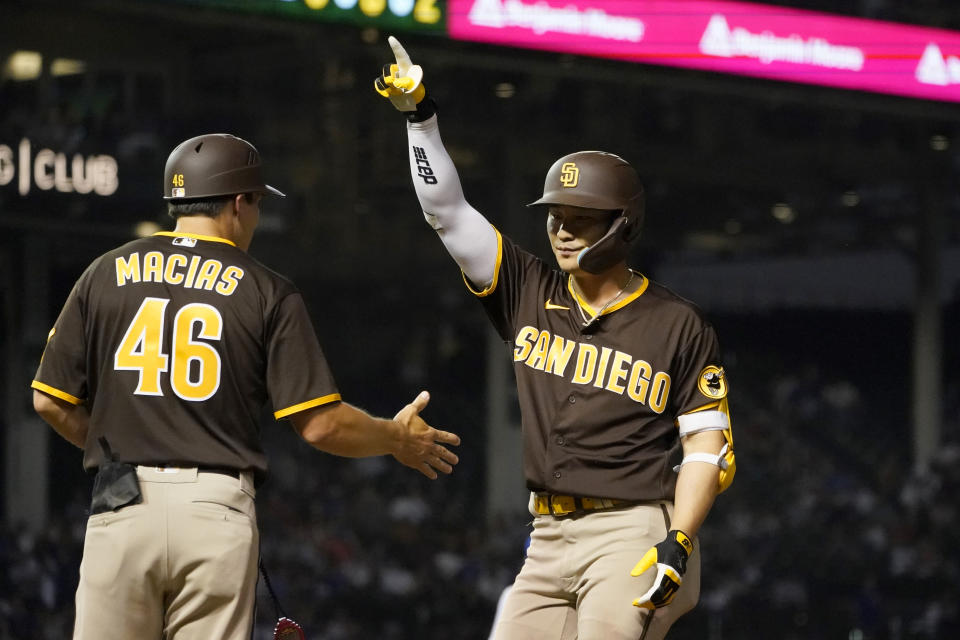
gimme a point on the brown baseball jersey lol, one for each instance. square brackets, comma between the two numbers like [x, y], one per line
[599, 404]
[176, 342]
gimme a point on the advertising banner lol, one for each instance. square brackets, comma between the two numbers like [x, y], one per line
[727, 37]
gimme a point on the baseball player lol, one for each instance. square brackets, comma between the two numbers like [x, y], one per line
[626, 431]
[157, 367]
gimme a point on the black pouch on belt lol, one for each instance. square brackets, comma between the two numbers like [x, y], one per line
[115, 484]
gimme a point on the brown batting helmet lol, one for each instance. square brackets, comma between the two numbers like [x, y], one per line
[599, 180]
[212, 165]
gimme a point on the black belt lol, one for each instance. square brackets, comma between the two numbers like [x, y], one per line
[233, 473]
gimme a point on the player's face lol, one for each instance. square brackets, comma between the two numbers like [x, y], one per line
[573, 229]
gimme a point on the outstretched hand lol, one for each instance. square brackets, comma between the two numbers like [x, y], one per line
[420, 445]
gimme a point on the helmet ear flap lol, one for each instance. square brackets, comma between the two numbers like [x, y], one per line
[608, 250]
[635, 213]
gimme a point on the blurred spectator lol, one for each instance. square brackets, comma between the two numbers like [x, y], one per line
[808, 545]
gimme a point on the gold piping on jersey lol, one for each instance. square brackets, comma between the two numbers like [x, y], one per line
[181, 234]
[303, 406]
[209, 274]
[630, 298]
[496, 271]
[706, 407]
[63, 395]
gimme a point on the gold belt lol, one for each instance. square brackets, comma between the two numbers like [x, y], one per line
[555, 505]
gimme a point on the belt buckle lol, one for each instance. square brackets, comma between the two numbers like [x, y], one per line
[166, 469]
[541, 503]
[562, 505]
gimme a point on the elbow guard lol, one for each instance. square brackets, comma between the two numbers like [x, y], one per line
[713, 420]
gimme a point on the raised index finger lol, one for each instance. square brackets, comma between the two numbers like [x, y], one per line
[403, 59]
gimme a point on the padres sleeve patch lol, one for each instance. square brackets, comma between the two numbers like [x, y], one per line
[712, 382]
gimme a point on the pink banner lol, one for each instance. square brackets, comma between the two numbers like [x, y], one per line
[728, 37]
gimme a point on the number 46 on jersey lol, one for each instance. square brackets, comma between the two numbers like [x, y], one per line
[193, 365]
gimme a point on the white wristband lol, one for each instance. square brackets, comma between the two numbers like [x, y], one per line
[716, 460]
[690, 423]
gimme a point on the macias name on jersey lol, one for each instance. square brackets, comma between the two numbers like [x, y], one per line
[603, 367]
[177, 269]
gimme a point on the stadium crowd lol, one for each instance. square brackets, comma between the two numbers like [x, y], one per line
[825, 534]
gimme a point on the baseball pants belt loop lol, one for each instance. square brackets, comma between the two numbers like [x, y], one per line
[245, 477]
[560, 505]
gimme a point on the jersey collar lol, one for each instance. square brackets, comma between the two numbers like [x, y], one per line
[179, 234]
[619, 305]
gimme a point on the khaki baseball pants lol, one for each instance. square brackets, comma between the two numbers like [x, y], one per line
[181, 565]
[576, 584]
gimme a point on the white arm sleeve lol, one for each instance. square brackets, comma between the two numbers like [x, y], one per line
[466, 234]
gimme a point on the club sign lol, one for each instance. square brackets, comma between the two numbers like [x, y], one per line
[51, 170]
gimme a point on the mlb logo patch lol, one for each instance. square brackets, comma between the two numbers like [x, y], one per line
[179, 192]
[185, 242]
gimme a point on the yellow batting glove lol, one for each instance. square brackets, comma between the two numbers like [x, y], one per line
[670, 559]
[401, 82]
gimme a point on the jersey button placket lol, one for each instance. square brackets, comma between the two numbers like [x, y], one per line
[572, 399]
[560, 440]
